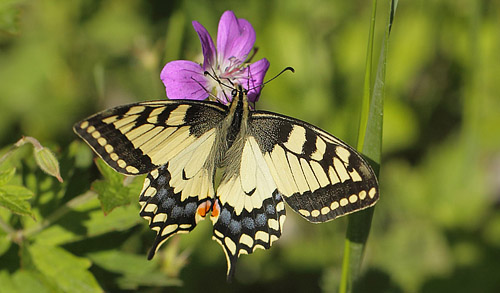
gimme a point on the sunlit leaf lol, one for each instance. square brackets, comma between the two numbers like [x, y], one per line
[15, 198]
[5, 243]
[69, 272]
[6, 175]
[29, 281]
[8, 284]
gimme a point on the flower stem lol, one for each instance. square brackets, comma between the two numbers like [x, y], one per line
[59, 213]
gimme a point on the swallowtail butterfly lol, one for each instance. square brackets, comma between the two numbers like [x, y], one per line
[268, 159]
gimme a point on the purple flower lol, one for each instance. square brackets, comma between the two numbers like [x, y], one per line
[226, 64]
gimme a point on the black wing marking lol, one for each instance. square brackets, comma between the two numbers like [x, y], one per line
[320, 176]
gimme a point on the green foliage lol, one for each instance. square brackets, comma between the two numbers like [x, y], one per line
[15, 199]
[435, 228]
[9, 15]
[61, 270]
[111, 191]
[50, 239]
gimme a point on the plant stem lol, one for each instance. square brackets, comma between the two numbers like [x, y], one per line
[59, 213]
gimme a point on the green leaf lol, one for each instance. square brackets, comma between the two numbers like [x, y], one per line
[29, 281]
[111, 191]
[120, 219]
[136, 269]
[6, 175]
[5, 242]
[9, 16]
[70, 273]
[14, 198]
[57, 235]
[8, 284]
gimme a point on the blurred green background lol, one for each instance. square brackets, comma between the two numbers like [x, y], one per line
[436, 227]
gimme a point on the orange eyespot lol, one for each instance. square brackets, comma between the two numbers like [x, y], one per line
[203, 208]
[215, 209]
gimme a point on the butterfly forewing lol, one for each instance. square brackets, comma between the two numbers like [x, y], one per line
[138, 138]
[319, 176]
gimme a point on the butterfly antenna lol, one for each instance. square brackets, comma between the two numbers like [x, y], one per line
[221, 84]
[289, 68]
[203, 87]
[281, 72]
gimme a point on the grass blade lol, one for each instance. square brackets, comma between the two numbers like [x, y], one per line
[370, 145]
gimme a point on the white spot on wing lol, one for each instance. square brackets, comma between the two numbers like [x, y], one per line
[296, 139]
[343, 153]
[320, 149]
[169, 229]
[305, 213]
[320, 174]
[231, 246]
[341, 170]
[298, 175]
[176, 117]
[311, 179]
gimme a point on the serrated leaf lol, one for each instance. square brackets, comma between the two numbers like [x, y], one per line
[14, 198]
[6, 175]
[111, 191]
[70, 273]
[111, 194]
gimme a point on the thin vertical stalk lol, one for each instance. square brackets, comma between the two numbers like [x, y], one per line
[370, 145]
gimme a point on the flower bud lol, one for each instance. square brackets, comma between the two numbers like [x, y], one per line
[47, 161]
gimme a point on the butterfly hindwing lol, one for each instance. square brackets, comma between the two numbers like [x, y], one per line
[167, 210]
[252, 211]
[319, 176]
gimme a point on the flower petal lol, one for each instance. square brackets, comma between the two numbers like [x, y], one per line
[184, 80]
[235, 38]
[207, 45]
[255, 72]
